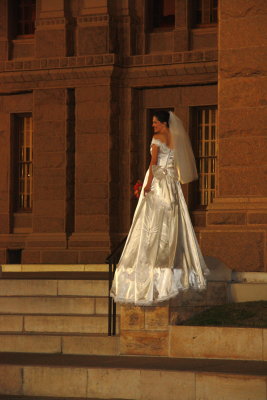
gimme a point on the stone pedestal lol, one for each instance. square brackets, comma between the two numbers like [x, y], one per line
[144, 330]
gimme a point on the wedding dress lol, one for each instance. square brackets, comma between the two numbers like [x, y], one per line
[161, 256]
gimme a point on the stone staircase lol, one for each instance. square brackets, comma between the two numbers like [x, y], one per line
[40, 376]
[54, 344]
[66, 316]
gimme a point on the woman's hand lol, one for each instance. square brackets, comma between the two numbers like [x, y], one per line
[147, 189]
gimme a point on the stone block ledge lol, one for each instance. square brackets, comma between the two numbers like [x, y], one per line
[230, 343]
[54, 267]
[140, 378]
[140, 335]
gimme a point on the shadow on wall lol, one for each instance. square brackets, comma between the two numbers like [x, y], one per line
[218, 270]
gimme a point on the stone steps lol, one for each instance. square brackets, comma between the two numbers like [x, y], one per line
[53, 314]
[54, 323]
[53, 305]
[53, 287]
[53, 268]
[242, 292]
[60, 344]
[139, 378]
[7, 397]
[248, 286]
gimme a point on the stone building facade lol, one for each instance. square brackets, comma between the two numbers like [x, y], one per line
[79, 81]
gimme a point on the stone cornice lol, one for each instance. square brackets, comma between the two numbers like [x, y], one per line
[186, 57]
[57, 63]
[180, 66]
[171, 58]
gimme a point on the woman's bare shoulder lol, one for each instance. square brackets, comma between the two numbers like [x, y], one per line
[160, 137]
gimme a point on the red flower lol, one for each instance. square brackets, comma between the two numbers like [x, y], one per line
[137, 188]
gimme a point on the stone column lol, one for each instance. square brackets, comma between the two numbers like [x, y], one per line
[4, 45]
[5, 180]
[144, 330]
[125, 27]
[50, 35]
[242, 99]
[91, 236]
[93, 28]
[241, 193]
[49, 178]
[181, 32]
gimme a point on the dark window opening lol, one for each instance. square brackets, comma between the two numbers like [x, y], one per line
[23, 162]
[14, 256]
[163, 14]
[205, 12]
[22, 17]
[205, 149]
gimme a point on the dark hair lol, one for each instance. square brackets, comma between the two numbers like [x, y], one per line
[162, 116]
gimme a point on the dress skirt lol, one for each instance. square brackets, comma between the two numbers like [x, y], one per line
[161, 256]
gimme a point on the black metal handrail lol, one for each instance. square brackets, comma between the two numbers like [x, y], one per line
[112, 261]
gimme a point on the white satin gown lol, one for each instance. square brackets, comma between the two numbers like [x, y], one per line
[161, 256]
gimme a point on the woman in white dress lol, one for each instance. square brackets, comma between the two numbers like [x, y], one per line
[161, 256]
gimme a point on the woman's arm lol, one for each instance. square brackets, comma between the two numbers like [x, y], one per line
[154, 159]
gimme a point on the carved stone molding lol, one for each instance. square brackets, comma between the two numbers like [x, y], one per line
[22, 80]
[50, 21]
[171, 58]
[172, 66]
[97, 19]
[126, 18]
[188, 57]
[57, 62]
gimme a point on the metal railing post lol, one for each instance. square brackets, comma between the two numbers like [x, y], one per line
[112, 260]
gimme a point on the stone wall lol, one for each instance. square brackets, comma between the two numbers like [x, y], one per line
[145, 331]
[236, 221]
[90, 74]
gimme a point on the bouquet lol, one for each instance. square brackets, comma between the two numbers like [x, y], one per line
[137, 188]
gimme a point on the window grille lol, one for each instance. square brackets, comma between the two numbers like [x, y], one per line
[206, 153]
[23, 162]
[163, 14]
[25, 16]
[205, 12]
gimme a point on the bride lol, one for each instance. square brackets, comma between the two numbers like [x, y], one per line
[161, 256]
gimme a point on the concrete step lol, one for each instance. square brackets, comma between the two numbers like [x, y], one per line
[60, 344]
[54, 267]
[241, 292]
[248, 286]
[48, 287]
[54, 323]
[7, 397]
[139, 378]
[249, 277]
[54, 305]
